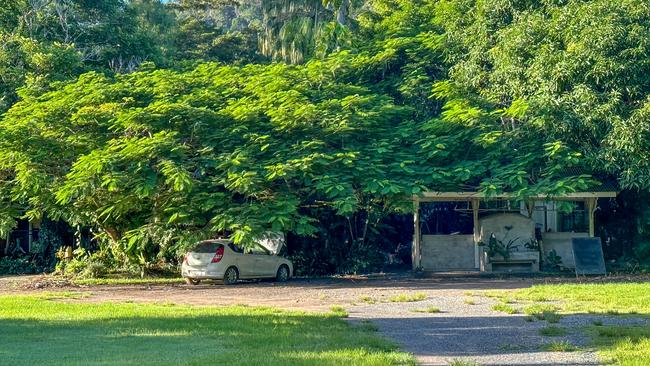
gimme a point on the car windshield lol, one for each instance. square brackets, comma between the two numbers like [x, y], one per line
[207, 247]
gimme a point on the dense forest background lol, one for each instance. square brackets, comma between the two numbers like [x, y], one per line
[146, 125]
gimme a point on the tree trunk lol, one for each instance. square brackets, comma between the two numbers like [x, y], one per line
[112, 233]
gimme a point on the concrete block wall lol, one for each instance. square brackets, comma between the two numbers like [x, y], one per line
[448, 252]
[561, 243]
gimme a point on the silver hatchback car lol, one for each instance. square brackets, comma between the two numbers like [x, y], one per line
[223, 260]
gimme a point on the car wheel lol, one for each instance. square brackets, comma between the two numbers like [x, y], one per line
[230, 276]
[283, 274]
[192, 281]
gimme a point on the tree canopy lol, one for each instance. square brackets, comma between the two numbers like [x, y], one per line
[157, 124]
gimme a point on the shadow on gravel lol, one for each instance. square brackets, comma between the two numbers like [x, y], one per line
[470, 336]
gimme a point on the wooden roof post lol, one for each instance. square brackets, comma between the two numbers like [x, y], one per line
[477, 233]
[30, 235]
[591, 209]
[530, 207]
[415, 251]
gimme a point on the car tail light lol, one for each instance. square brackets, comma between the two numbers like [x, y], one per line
[218, 255]
[185, 259]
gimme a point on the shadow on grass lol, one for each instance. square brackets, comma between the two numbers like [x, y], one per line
[37, 331]
[50, 333]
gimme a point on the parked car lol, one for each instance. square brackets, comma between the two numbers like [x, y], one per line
[223, 260]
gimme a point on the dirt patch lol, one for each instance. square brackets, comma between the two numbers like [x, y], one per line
[298, 294]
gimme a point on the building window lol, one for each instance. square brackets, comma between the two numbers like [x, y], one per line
[560, 216]
[572, 217]
[446, 218]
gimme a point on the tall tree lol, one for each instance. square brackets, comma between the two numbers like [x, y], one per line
[295, 30]
[108, 33]
[577, 70]
[218, 30]
[42, 41]
[31, 65]
[10, 13]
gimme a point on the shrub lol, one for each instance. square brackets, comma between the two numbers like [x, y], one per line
[75, 266]
[94, 269]
[23, 265]
[85, 265]
[553, 261]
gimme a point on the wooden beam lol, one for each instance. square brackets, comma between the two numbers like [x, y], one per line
[466, 196]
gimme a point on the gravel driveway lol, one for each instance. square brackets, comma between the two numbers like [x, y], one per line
[471, 333]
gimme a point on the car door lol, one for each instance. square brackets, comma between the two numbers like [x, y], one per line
[247, 265]
[269, 264]
[264, 264]
[237, 258]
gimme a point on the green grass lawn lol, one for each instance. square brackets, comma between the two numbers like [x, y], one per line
[56, 329]
[620, 345]
[607, 298]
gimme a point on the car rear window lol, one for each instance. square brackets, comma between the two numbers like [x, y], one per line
[235, 248]
[207, 247]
